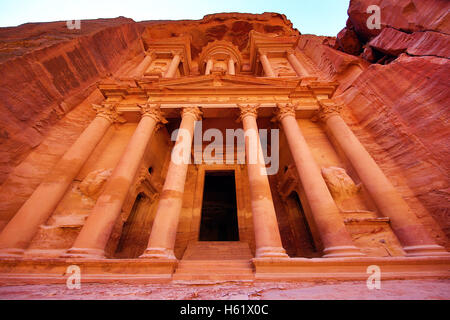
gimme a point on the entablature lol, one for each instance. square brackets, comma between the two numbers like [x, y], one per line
[218, 95]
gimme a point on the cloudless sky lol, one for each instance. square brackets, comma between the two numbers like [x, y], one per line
[320, 17]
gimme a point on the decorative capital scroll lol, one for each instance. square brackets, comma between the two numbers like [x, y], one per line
[153, 111]
[284, 110]
[248, 110]
[194, 111]
[108, 111]
[327, 109]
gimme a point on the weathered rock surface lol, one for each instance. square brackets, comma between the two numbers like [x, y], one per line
[47, 70]
[350, 290]
[233, 27]
[420, 28]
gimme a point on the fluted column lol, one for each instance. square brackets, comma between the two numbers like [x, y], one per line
[298, 67]
[231, 68]
[143, 66]
[336, 240]
[209, 66]
[415, 239]
[172, 69]
[96, 231]
[162, 238]
[265, 224]
[19, 232]
[268, 71]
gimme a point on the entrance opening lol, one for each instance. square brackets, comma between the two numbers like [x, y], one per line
[219, 210]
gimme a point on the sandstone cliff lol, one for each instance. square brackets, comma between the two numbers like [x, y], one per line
[48, 69]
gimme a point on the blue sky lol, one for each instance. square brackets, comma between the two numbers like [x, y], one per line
[321, 17]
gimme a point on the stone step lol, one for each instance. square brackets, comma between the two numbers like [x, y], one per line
[206, 250]
[211, 269]
[212, 277]
[215, 263]
[227, 270]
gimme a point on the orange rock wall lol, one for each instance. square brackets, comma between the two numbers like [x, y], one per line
[47, 70]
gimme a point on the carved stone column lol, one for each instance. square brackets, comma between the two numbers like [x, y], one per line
[415, 239]
[165, 225]
[231, 68]
[143, 66]
[267, 235]
[171, 71]
[335, 237]
[268, 71]
[298, 67]
[209, 66]
[95, 233]
[19, 232]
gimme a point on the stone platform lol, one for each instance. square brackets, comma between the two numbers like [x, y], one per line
[46, 271]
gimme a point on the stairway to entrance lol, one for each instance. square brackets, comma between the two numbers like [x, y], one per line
[219, 261]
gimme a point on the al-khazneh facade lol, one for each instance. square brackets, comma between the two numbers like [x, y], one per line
[117, 206]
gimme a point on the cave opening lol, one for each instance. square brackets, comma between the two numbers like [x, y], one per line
[219, 220]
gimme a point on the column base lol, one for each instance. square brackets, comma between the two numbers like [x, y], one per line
[342, 251]
[158, 253]
[84, 253]
[11, 253]
[271, 252]
[426, 250]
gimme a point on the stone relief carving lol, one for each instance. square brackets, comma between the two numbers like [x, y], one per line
[94, 181]
[339, 183]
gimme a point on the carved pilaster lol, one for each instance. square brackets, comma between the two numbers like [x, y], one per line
[285, 109]
[108, 111]
[327, 109]
[248, 110]
[153, 111]
[195, 111]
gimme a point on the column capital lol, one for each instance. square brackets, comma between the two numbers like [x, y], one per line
[290, 51]
[284, 110]
[178, 53]
[108, 111]
[327, 109]
[194, 111]
[248, 110]
[153, 111]
[262, 52]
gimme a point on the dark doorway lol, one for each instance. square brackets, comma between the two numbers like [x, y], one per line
[307, 238]
[219, 210]
[136, 230]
